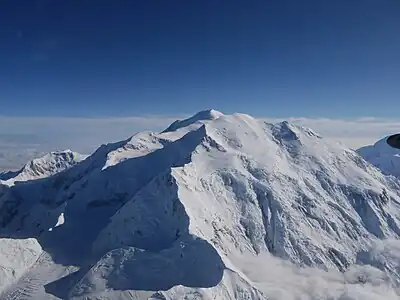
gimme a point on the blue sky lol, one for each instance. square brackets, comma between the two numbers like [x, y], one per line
[311, 58]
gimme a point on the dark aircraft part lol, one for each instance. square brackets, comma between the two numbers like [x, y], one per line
[394, 141]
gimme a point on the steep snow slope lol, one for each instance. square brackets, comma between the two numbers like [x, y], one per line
[382, 156]
[50, 164]
[179, 213]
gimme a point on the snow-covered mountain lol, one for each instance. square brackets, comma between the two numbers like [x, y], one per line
[199, 118]
[182, 214]
[50, 164]
[382, 156]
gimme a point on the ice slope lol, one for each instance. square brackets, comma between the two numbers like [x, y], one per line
[382, 156]
[50, 164]
[179, 213]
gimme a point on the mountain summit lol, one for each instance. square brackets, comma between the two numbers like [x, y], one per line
[200, 117]
[178, 214]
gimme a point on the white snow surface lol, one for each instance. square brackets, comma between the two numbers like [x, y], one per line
[199, 118]
[50, 164]
[16, 257]
[382, 156]
[215, 207]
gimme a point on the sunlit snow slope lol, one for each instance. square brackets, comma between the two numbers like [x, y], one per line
[50, 164]
[181, 213]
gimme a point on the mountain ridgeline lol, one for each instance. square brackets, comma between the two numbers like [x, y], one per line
[175, 214]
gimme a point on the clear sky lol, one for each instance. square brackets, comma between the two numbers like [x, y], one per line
[310, 58]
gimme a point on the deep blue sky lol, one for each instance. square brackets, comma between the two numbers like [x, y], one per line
[311, 58]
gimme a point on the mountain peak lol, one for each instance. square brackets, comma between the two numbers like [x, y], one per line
[47, 165]
[209, 114]
[200, 117]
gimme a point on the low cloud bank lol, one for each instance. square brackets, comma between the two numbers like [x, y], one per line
[369, 281]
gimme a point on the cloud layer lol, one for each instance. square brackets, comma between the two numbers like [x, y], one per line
[22, 139]
[353, 133]
[279, 279]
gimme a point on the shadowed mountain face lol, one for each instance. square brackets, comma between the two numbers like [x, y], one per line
[176, 213]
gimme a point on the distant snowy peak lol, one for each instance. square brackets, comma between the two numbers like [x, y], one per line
[47, 165]
[52, 163]
[199, 118]
[382, 156]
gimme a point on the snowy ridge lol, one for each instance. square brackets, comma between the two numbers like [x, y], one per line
[182, 213]
[199, 118]
[382, 156]
[50, 164]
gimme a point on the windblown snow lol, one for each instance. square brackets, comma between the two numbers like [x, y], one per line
[214, 207]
